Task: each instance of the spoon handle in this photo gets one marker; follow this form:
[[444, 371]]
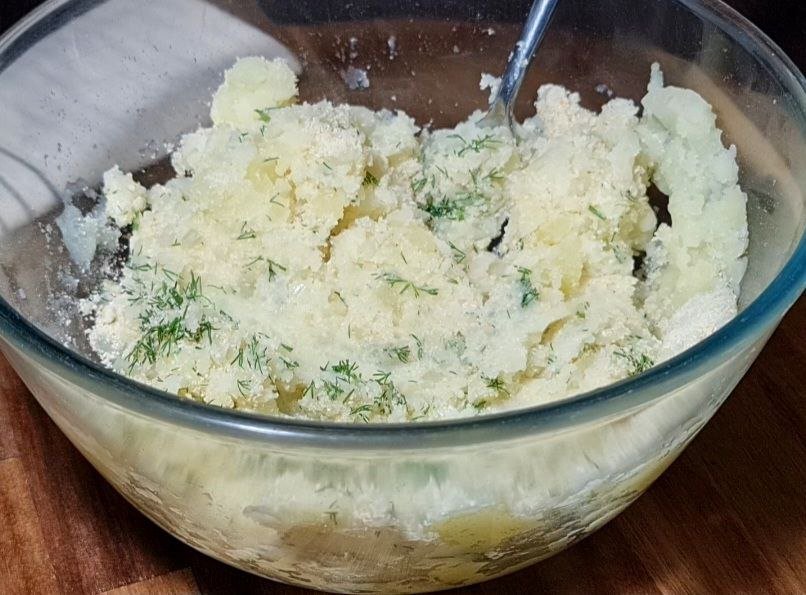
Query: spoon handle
[[535, 28]]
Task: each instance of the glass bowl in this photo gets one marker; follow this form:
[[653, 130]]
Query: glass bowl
[[86, 84]]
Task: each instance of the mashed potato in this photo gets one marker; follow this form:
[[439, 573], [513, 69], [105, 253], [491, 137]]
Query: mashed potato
[[330, 262]]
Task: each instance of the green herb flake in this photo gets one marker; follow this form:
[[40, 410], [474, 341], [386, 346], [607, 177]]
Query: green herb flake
[[348, 370], [395, 281], [246, 233], [265, 114], [419, 346], [332, 390], [362, 412], [458, 255], [290, 364], [272, 266], [163, 319], [637, 362], [402, 353], [597, 212], [528, 292], [417, 185], [477, 145], [496, 384], [244, 388], [257, 357], [310, 390]]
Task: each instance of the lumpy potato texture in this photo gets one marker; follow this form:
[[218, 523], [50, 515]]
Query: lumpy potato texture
[[334, 263]]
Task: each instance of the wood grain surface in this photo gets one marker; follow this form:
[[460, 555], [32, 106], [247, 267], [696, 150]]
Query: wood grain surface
[[728, 516]]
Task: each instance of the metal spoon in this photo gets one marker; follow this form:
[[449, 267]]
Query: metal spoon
[[500, 112]]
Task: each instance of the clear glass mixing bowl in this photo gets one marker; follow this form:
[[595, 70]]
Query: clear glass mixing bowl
[[86, 84]]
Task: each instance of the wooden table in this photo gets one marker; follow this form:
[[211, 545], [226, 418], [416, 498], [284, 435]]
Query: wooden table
[[729, 516]]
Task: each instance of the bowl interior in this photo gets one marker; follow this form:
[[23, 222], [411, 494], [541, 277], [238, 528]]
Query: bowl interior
[[86, 85]]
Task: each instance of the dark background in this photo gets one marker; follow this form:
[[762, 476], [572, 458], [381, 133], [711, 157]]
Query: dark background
[[783, 20]]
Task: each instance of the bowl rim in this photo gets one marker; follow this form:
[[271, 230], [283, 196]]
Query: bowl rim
[[756, 321]]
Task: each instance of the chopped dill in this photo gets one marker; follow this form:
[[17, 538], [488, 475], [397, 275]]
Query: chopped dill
[[163, 319], [310, 390], [423, 413], [348, 370], [257, 357], [238, 359], [597, 212], [638, 363], [265, 114], [496, 384], [290, 364], [453, 208], [458, 255], [389, 397], [140, 268], [396, 281], [225, 290], [551, 359], [246, 233], [419, 346], [381, 377], [332, 390], [445, 209], [402, 353], [528, 292], [441, 170], [205, 329], [476, 145], [362, 411], [418, 185], [273, 266]]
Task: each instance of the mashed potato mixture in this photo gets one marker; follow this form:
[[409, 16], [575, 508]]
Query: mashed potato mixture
[[330, 262]]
